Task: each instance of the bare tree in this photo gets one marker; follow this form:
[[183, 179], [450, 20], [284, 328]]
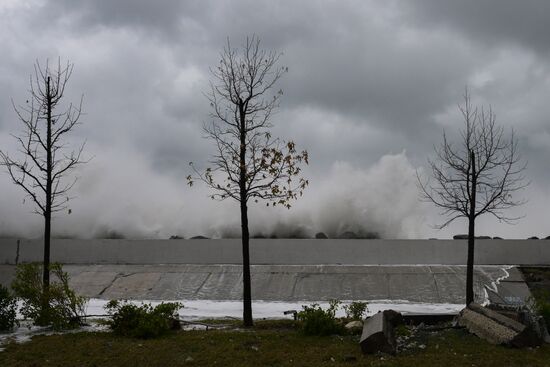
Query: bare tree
[[478, 176], [249, 163], [45, 159]]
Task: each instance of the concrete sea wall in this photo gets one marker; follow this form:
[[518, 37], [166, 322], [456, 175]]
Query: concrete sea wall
[[278, 251]]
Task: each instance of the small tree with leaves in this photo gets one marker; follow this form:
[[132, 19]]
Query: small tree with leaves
[[477, 176], [249, 164], [44, 160]]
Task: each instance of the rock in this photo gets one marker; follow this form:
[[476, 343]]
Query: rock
[[199, 238], [547, 238], [533, 238], [189, 359], [496, 328], [354, 325], [497, 238], [321, 236], [176, 237], [378, 333]]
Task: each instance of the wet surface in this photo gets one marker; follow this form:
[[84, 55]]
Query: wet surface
[[422, 283]]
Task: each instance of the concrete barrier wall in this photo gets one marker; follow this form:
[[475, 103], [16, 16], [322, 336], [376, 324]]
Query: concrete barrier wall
[[279, 251]]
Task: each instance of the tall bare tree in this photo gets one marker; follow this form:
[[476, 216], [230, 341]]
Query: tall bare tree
[[477, 176], [249, 164], [44, 160]]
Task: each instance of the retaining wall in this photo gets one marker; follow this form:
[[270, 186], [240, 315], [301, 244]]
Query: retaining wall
[[279, 251]]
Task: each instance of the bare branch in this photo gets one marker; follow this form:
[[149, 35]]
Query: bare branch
[[45, 160], [499, 169], [248, 163]]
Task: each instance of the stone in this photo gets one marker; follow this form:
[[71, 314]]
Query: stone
[[378, 333], [354, 325], [321, 236], [199, 238], [533, 238]]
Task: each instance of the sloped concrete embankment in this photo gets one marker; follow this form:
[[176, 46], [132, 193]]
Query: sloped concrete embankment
[[287, 270], [423, 284]]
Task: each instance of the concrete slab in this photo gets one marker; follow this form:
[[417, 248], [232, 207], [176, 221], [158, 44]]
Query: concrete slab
[[92, 283], [222, 285], [376, 286], [273, 286], [510, 293], [174, 285], [450, 287], [428, 284], [414, 287], [131, 286]]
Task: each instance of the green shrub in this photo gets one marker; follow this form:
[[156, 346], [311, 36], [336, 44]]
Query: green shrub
[[316, 321], [356, 310], [59, 306], [142, 321], [540, 301], [8, 309]]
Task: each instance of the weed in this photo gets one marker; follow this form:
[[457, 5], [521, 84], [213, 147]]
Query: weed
[[58, 306], [143, 321], [356, 310], [316, 321], [8, 308]]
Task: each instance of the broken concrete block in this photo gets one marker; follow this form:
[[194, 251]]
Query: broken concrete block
[[496, 328], [378, 333]]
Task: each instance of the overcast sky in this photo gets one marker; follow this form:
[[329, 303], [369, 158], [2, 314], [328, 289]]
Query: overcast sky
[[371, 87]]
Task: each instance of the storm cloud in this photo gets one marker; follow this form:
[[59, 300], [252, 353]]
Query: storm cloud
[[370, 89]]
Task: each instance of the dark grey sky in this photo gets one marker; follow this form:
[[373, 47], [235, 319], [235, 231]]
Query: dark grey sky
[[371, 87]]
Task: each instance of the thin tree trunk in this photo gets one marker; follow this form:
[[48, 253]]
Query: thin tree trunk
[[245, 237], [247, 291], [471, 235], [48, 212]]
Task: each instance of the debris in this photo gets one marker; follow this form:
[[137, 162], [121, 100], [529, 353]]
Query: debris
[[496, 328], [378, 333]]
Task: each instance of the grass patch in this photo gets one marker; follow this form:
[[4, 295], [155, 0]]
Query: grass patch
[[268, 344]]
